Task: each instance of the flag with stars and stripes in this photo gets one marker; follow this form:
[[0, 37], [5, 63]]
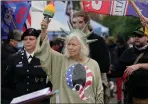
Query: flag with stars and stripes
[[75, 85], [28, 20], [69, 76]]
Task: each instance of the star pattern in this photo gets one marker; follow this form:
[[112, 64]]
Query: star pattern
[[69, 76], [69, 81]]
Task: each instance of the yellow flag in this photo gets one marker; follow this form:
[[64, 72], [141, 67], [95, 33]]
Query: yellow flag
[[146, 31]]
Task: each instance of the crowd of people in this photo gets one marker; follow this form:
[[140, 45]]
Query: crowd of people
[[81, 65]]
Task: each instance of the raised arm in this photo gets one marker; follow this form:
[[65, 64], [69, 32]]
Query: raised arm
[[44, 31], [50, 60], [43, 50]]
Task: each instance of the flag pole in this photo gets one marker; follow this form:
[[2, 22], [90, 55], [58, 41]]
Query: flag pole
[[136, 8], [138, 12]]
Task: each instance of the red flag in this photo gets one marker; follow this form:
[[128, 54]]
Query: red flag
[[97, 6], [115, 7], [28, 22]]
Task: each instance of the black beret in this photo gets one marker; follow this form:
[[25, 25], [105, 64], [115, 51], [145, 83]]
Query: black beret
[[30, 32]]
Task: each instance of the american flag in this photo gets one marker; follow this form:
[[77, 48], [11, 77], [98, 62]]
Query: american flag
[[89, 77], [28, 20], [88, 82], [69, 76]]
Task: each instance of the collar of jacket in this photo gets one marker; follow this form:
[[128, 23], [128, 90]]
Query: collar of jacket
[[139, 50]]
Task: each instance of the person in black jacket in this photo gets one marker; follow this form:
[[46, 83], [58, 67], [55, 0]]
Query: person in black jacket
[[112, 46], [9, 48], [127, 59], [24, 74], [121, 47], [98, 50]]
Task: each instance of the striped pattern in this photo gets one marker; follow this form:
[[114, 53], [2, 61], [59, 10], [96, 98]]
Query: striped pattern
[[88, 83], [88, 77], [28, 20]]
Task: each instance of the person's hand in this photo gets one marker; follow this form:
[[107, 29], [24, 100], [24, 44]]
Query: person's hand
[[44, 30], [45, 24], [144, 21], [110, 68], [130, 69], [109, 72]]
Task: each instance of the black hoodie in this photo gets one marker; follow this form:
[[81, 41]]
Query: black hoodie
[[99, 52]]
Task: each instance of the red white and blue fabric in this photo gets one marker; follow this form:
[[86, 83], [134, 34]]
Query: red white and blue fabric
[[88, 83], [116, 7], [14, 15], [28, 20], [69, 76]]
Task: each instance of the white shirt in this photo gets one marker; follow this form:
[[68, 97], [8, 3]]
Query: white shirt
[[28, 56]]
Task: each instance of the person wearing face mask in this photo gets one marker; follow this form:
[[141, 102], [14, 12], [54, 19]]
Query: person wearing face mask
[[10, 48], [24, 74]]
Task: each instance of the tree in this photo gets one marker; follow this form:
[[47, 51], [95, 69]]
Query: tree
[[121, 25]]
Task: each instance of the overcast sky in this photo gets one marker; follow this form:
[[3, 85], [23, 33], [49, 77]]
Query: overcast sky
[[60, 12]]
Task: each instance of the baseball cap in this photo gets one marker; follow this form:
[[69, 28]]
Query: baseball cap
[[141, 31], [15, 35]]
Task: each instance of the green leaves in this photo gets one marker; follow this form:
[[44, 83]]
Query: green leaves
[[121, 25]]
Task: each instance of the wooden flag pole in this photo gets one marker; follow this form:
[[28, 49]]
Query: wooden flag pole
[[136, 8], [138, 12]]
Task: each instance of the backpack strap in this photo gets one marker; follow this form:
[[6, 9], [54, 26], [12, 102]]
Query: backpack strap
[[138, 58]]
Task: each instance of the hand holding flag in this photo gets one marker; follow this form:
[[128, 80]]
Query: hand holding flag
[[144, 21]]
